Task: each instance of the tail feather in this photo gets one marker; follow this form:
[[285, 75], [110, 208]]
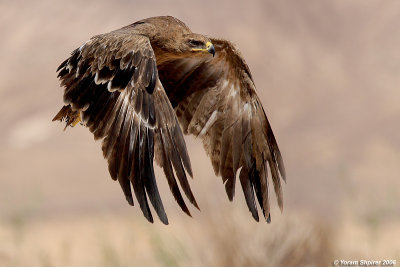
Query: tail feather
[[71, 117]]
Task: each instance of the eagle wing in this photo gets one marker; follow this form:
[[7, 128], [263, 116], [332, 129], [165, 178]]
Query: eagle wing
[[220, 106], [112, 80]]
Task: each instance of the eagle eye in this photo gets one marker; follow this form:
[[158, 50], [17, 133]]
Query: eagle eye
[[195, 43]]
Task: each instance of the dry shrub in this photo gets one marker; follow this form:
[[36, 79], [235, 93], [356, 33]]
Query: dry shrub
[[287, 241]]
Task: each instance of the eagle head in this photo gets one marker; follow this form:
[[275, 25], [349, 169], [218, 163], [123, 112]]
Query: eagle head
[[196, 43]]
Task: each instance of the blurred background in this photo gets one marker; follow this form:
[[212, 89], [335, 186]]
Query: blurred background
[[327, 73]]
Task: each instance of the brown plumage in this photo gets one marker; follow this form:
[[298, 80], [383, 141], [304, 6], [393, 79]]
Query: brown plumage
[[130, 87]]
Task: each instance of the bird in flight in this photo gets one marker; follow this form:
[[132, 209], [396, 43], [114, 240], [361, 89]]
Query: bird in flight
[[141, 87]]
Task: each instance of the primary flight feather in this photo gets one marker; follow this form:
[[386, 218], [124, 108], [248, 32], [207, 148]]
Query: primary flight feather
[[139, 87]]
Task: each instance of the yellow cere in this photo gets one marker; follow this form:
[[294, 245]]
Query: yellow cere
[[208, 45]]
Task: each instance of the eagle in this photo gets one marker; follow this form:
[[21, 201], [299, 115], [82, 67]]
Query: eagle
[[141, 87]]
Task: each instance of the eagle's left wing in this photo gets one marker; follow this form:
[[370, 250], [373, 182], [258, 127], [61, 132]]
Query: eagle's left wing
[[215, 99], [112, 82]]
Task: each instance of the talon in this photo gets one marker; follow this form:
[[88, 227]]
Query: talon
[[76, 120]]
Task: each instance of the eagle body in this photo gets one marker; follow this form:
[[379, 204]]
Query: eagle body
[[141, 87]]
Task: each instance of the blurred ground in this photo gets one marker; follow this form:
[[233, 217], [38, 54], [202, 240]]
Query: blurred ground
[[327, 73]]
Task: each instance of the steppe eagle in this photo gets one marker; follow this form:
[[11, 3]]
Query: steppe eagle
[[139, 87]]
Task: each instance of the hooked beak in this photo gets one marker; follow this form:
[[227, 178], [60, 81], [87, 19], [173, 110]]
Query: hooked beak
[[210, 48]]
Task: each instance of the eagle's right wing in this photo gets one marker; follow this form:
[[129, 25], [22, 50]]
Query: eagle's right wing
[[218, 103], [112, 80]]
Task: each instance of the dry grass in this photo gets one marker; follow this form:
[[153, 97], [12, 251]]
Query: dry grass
[[230, 240]]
